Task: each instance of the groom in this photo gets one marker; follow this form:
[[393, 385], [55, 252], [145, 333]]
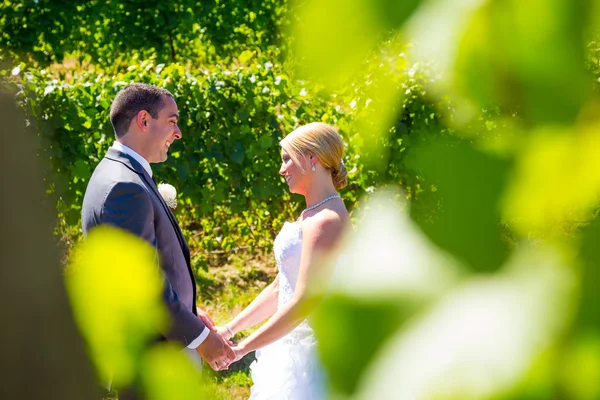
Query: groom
[[122, 193]]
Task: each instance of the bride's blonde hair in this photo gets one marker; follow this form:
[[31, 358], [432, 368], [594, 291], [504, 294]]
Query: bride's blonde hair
[[324, 142]]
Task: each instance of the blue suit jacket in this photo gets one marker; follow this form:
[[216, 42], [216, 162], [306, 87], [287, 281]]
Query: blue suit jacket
[[121, 193]]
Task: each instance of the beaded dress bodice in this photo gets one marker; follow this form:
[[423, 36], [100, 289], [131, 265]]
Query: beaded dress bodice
[[288, 251]]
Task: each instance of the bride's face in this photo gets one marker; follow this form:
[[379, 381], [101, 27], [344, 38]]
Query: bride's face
[[293, 173]]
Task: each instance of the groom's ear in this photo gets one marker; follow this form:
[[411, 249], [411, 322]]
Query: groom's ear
[[141, 119]]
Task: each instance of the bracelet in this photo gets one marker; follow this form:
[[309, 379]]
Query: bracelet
[[229, 330]]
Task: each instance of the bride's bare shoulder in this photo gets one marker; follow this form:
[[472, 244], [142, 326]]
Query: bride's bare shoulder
[[327, 225]]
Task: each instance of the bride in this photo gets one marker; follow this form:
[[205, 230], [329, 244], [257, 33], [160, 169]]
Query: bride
[[287, 364]]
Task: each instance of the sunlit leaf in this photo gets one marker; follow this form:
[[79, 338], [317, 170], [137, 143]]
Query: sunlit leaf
[[480, 339], [557, 180], [245, 56], [333, 37], [115, 288], [388, 270], [167, 373]]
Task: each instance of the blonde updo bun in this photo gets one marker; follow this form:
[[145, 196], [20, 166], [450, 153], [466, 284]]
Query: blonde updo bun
[[340, 177]]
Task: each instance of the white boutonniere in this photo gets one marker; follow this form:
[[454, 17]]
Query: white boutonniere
[[169, 193]]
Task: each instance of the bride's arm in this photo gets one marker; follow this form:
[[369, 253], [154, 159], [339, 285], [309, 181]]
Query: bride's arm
[[318, 239], [263, 306]]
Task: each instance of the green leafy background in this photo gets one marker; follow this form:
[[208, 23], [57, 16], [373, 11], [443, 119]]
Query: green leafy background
[[478, 277]]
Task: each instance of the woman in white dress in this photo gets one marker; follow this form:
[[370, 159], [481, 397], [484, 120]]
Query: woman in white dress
[[287, 364]]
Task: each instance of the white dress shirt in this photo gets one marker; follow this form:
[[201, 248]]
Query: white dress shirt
[[129, 151]]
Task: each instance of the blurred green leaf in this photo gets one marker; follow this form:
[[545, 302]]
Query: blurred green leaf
[[556, 181], [167, 373], [334, 37], [111, 277], [350, 332], [526, 56], [481, 338], [580, 367], [589, 301], [468, 185]]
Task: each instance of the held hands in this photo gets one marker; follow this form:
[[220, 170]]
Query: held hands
[[239, 352], [223, 332], [206, 320], [216, 352], [238, 349]]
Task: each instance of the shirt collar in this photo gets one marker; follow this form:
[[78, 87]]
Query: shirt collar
[[129, 151]]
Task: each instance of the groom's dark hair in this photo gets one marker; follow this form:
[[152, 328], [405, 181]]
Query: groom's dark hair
[[131, 100]]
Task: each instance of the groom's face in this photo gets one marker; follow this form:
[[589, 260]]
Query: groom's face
[[163, 131]]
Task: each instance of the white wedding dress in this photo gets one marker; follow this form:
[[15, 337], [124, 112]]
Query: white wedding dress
[[288, 369]]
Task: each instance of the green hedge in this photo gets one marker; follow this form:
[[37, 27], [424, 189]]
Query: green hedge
[[226, 166], [109, 32]]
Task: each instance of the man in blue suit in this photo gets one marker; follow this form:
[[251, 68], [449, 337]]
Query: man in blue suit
[[122, 193]]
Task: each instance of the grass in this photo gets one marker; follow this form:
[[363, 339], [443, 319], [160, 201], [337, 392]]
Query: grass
[[229, 285]]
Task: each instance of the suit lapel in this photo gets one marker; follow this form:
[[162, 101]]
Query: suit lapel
[[132, 164], [167, 209], [135, 166]]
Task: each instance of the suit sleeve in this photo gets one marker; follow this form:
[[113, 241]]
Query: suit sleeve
[[128, 206]]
